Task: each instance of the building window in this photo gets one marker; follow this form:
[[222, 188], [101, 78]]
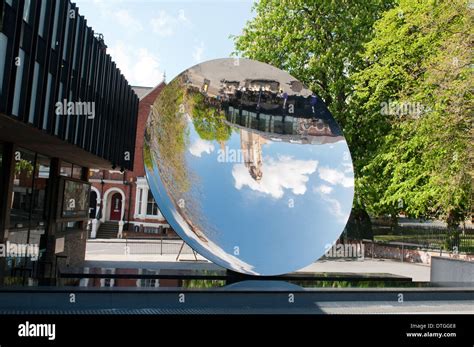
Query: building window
[[151, 206], [149, 282], [77, 172], [108, 282], [41, 21], [34, 91], [55, 26], [30, 183], [40, 185], [84, 54], [57, 114], [68, 119], [140, 200], [18, 78], [22, 189], [66, 169], [3, 52], [26, 11], [66, 34], [76, 42], [46, 106]]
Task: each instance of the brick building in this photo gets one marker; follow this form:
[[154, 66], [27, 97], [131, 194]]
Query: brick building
[[121, 202]]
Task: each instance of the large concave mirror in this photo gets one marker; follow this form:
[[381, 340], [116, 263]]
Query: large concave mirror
[[248, 166]]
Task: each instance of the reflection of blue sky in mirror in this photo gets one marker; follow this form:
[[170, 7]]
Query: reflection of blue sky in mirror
[[284, 220]]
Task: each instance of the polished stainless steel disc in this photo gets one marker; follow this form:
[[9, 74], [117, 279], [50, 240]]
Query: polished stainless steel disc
[[248, 166]]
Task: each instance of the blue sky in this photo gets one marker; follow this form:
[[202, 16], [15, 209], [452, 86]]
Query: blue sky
[[147, 38]]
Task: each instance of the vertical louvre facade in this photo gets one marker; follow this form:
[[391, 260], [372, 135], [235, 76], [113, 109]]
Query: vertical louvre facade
[[48, 54]]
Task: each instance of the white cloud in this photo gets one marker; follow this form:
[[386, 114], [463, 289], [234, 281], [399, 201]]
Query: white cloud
[[201, 146], [323, 189], [125, 19], [181, 16], [139, 66], [165, 24], [334, 176], [284, 173], [198, 52], [333, 205]]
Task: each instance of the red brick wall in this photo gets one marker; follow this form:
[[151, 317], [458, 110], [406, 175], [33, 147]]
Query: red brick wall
[[143, 112], [138, 167]]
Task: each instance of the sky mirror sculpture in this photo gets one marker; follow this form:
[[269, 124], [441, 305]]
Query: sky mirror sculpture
[[248, 166]]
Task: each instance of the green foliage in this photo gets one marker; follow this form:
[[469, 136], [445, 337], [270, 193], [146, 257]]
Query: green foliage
[[166, 138], [418, 161], [207, 119], [23, 166]]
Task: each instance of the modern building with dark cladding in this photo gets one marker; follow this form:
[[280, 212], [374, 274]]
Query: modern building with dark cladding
[[65, 108], [48, 54]]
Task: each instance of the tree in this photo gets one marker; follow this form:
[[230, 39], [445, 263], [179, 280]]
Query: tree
[[413, 99]]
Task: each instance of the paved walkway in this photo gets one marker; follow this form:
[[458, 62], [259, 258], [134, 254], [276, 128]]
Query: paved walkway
[[103, 253]]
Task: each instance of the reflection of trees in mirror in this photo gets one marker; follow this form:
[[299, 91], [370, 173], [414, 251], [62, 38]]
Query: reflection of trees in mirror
[[208, 119], [358, 284], [166, 140], [166, 137]]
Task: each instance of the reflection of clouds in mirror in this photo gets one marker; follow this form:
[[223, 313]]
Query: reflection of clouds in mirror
[[201, 146], [333, 204], [336, 177], [280, 174], [323, 189]]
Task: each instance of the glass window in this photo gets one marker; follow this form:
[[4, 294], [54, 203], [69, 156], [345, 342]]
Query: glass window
[[66, 169], [77, 172], [18, 78], [55, 26], [34, 90], [26, 11], [3, 52], [151, 207], [42, 18], [77, 122], [93, 63], [59, 114], [40, 184], [1, 166], [22, 189], [140, 200], [46, 106], [84, 52], [76, 42], [68, 118], [66, 33]]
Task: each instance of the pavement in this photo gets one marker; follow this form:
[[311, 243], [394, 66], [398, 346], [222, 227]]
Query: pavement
[[151, 255]]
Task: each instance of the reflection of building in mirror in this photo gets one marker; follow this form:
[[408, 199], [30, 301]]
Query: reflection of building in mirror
[[251, 145]]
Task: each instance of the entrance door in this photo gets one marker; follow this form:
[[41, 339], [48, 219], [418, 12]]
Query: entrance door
[[93, 205], [116, 206]]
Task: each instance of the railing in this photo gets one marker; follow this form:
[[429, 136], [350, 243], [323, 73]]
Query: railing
[[160, 246], [428, 236]]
